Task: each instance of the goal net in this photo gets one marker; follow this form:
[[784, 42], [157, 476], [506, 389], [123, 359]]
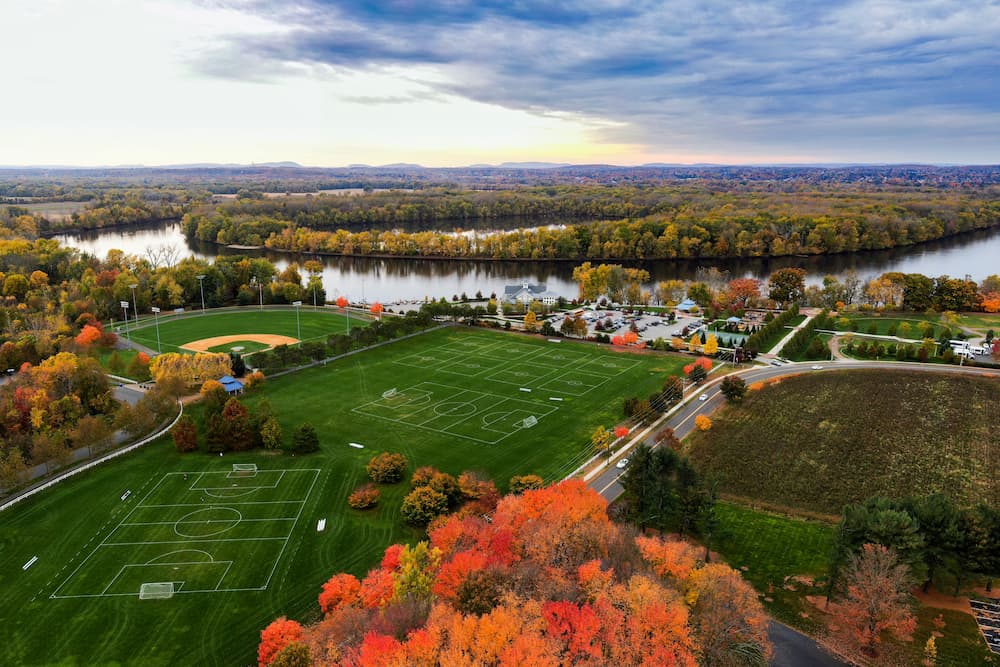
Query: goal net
[[529, 421], [389, 393], [245, 469], [160, 590]]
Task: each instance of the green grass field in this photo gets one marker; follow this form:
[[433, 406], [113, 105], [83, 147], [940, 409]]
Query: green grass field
[[77, 605], [820, 440], [315, 325]]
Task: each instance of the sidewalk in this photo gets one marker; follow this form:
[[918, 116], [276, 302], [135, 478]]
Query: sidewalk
[[776, 350]]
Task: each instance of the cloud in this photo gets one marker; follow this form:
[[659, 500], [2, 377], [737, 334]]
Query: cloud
[[805, 77]]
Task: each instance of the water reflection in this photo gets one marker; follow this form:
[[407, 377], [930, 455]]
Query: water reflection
[[974, 254]]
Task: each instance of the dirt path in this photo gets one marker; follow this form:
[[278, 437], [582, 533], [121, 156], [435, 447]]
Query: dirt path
[[271, 340]]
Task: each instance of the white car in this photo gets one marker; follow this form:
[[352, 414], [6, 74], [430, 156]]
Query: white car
[[817, 368], [621, 464], [703, 397]]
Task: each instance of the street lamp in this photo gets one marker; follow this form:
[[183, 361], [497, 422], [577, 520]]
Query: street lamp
[[124, 305], [260, 288], [135, 310], [298, 326], [201, 278], [156, 319]]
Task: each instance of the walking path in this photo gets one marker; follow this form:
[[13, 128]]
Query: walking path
[[776, 350]]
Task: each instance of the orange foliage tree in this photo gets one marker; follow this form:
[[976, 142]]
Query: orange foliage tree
[[377, 309], [877, 600], [548, 580], [703, 422], [621, 431], [276, 636]]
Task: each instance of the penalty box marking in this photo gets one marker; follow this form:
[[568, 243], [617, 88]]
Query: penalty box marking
[[539, 411], [194, 485], [104, 542]]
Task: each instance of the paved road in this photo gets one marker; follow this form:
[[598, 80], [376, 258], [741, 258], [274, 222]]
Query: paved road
[[791, 648]]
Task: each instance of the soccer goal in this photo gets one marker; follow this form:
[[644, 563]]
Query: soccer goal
[[158, 590], [245, 469], [389, 393], [529, 421]]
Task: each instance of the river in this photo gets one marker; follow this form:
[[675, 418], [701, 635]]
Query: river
[[976, 254]]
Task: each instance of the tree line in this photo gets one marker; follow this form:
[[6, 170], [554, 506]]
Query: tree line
[[638, 223]]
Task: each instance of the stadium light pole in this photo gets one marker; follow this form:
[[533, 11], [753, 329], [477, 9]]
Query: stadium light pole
[[124, 305], [156, 320], [135, 309], [298, 325], [201, 283], [260, 288]]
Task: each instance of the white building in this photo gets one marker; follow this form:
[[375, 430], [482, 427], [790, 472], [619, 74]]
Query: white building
[[525, 293]]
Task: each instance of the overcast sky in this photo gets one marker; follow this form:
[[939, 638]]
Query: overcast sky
[[454, 82]]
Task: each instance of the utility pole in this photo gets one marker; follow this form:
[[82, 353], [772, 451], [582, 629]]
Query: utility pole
[[124, 305]]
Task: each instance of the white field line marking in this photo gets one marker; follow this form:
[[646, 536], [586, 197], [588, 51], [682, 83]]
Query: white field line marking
[[207, 521], [291, 531], [142, 504], [125, 518]]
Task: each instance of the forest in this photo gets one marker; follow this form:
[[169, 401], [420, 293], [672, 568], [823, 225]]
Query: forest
[[692, 220]]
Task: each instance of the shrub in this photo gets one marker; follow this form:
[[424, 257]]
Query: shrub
[[423, 505], [387, 468], [364, 497], [422, 476], [305, 440], [703, 422]]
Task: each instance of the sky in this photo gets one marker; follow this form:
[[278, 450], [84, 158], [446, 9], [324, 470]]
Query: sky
[[458, 82]]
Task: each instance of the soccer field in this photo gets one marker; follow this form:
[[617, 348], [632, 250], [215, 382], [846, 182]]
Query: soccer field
[[177, 332], [462, 398], [204, 532], [238, 551]]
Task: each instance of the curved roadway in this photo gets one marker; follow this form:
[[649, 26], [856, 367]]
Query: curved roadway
[[792, 648]]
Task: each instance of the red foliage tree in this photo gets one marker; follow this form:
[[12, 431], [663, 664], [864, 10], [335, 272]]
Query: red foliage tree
[[88, 336], [340, 591], [621, 431], [276, 636], [341, 302], [504, 592]]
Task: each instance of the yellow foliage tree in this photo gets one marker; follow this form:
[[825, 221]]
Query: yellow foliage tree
[[703, 422], [530, 321], [694, 343], [190, 368], [677, 343], [711, 345]]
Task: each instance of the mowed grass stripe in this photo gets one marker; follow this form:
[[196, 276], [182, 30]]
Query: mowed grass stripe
[[315, 325]]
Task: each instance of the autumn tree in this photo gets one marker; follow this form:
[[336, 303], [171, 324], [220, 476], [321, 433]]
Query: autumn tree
[[185, 434], [550, 580], [703, 422], [711, 346], [734, 388], [787, 285], [522, 483], [530, 321], [729, 621], [601, 440], [423, 505], [276, 636], [877, 599], [387, 467], [237, 425]]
